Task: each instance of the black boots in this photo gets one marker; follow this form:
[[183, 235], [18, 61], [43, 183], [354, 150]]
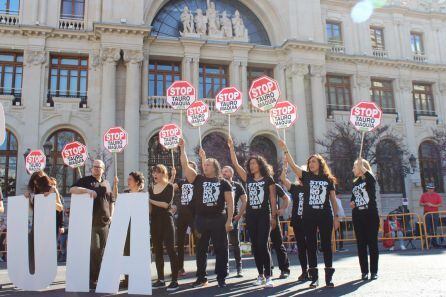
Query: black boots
[[314, 277], [303, 277], [328, 277]]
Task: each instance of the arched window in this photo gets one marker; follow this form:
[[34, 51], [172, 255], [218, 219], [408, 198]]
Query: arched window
[[8, 164], [159, 155], [389, 167], [430, 165], [342, 157], [65, 176], [168, 23], [216, 146], [263, 146]]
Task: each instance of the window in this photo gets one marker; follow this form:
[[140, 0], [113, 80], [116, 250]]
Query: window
[[11, 71], [8, 165], [159, 155], [213, 78], [214, 146], [381, 93], [423, 99], [389, 165], [333, 31], [342, 157], [377, 37], [338, 93], [256, 72], [162, 75], [416, 42], [10, 7], [72, 9], [65, 176], [68, 78], [430, 165]]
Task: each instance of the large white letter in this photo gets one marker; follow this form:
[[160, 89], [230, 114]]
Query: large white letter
[[45, 252], [79, 241], [132, 207]]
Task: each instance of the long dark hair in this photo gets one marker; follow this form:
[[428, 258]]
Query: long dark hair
[[324, 170], [265, 168], [33, 180], [44, 184]]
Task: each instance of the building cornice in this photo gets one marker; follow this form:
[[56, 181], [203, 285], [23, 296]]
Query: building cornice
[[101, 28], [292, 44]]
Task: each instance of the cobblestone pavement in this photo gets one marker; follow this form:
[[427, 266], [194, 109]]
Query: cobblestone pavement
[[401, 273]]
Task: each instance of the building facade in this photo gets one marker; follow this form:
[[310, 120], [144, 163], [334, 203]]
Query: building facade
[[71, 69]]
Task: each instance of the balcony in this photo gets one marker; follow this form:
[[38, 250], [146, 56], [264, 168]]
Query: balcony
[[15, 95], [70, 97], [337, 46], [72, 22], [9, 17], [380, 53], [331, 108], [419, 57], [423, 114]]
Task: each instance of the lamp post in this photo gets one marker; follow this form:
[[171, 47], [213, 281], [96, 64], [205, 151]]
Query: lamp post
[[413, 164], [47, 149]]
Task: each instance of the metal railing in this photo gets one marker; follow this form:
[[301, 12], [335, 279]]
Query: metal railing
[[67, 94], [380, 53], [337, 46], [419, 57], [72, 24], [434, 226], [9, 19], [17, 93]]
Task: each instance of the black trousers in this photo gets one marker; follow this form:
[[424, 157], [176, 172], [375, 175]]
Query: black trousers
[[301, 244], [163, 233], [99, 236], [279, 248], [185, 220], [212, 228], [258, 224], [323, 222], [234, 239], [366, 224]]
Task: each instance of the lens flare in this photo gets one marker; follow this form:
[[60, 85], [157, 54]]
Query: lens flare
[[362, 11], [379, 3]]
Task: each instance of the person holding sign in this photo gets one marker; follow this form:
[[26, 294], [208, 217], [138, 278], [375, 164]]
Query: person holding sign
[[211, 192], [365, 217], [162, 226], [319, 184], [261, 210], [297, 193], [98, 189]]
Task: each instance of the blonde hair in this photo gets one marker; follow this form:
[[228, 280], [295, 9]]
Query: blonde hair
[[160, 168], [366, 165]]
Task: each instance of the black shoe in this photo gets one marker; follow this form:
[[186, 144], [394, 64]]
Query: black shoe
[[328, 277], [222, 283], [373, 276], [364, 276], [303, 277], [284, 274], [200, 283], [159, 284], [173, 286], [93, 285], [314, 277], [239, 273]]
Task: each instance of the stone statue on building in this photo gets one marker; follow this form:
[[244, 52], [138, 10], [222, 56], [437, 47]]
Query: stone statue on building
[[201, 22], [226, 25], [188, 21], [213, 20], [240, 31]]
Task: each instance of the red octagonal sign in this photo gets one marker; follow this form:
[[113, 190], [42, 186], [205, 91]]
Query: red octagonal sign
[[169, 136], [115, 139], [74, 154], [228, 100], [35, 161], [181, 94], [283, 115], [264, 93], [365, 116]]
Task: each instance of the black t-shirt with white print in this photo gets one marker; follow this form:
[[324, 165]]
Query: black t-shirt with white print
[[297, 194], [317, 194], [186, 195], [364, 192], [238, 191], [258, 194], [209, 195]]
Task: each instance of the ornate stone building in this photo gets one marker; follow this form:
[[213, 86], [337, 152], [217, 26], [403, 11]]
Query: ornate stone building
[[70, 69]]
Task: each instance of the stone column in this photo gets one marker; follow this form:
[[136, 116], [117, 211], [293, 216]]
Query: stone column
[[301, 140], [441, 102], [319, 103], [186, 65], [363, 83], [279, 75], [195, 73], [108, 103], [235, 74], [407, 110], [43, 11], [133, 59], [145, 80], [244, 87]]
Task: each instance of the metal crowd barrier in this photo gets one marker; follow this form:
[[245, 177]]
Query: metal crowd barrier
[[437, 222]]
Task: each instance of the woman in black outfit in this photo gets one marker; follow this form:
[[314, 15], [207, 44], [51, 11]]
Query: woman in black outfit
[[261, 210], [297, 193], [162, 226], [319, 187], [365, 217]]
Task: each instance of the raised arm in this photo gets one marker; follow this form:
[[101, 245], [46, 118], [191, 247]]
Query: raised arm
[[172, 179], [285, 181], [296, 169], [239, 169], [202, 155], [189, 172]]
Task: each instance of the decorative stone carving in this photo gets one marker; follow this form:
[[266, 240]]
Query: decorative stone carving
[[187, 19], [201, 22], [296, 69], [318, 70], [95, 59], [226, 25], [110, 55], [213, 21], [133, 56], [405, 85], [363, 81], [442, 88], [35, 57], [240, 30]]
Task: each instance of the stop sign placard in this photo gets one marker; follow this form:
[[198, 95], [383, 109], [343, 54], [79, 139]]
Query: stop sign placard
[[264, 93], [74, 154], [228, 100], [115, 139], [169, 136], [197, 113], [35, 161], [365, 116], [181, 94], [283, 115]]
